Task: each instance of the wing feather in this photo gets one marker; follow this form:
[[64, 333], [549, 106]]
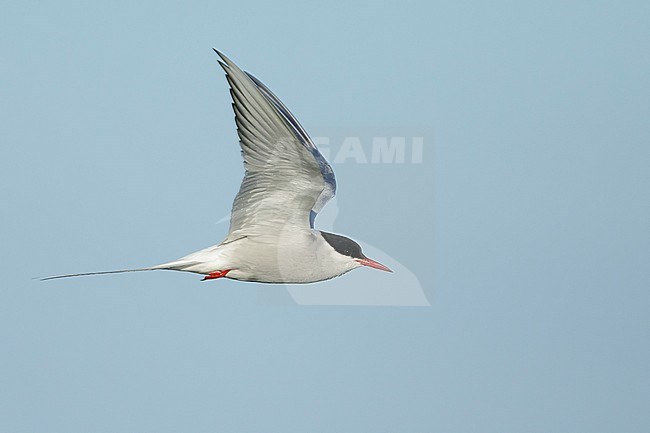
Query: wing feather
[[287, 180]]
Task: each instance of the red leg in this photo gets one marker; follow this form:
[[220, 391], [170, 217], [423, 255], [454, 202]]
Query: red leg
[[216, 274]]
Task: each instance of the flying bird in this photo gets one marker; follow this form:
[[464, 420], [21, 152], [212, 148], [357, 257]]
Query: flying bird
[[287, 181]]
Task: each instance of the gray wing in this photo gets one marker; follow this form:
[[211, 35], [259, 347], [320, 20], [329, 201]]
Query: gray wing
[[287, 180]]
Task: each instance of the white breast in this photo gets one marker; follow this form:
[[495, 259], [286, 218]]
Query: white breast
[[299, 256]]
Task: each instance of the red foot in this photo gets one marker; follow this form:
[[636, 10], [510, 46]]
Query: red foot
[[216, 274]]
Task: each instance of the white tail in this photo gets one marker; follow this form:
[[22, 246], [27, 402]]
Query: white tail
[[178, 265], [56, 277]]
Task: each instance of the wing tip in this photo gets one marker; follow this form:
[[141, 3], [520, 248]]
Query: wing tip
[[223, 58], [224, 61]]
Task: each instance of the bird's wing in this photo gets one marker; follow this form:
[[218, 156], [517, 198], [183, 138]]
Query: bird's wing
[[287, 180]]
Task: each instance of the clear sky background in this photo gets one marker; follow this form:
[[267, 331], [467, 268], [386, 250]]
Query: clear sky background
[[527, 223]]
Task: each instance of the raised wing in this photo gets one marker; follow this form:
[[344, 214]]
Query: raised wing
[[287, 180]]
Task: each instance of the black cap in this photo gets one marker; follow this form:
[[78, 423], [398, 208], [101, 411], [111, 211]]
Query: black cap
[[343, 245]]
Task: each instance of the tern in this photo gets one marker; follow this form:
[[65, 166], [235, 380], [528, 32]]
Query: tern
[[287, 182]]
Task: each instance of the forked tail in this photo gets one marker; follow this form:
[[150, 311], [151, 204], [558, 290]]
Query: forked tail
[[56, 277], [177, 265]]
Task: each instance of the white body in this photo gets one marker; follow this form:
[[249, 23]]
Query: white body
[[298, 256]]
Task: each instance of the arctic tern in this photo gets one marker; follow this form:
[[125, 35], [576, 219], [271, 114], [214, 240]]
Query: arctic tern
[[287, 181]]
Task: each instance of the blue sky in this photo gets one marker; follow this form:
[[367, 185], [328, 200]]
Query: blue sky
[[525, 224]]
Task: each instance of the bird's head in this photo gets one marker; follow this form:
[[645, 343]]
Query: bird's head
[[350, 252]]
